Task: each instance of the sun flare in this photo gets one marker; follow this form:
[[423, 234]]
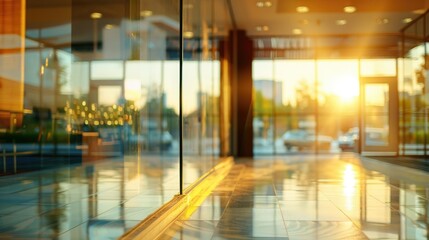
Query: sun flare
[[345, 87]]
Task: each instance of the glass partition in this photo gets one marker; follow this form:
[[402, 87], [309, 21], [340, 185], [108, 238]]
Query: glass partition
[[376, 104], [338, 104], [201, 89], [310, 105], [325, 108], [89, 109], [379, 104], [413, 90], [284, 100], [298, 98], [264, 100], [125, 108]]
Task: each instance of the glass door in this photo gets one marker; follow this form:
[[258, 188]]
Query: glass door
[[379, 102]]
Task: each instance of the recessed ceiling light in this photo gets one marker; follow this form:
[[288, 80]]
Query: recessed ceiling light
[[96, 15], [349, 9], [188, 34], [419, 11], [382, 21], [407, 20], [262, 4], [297, 31], [109, 26], [341, 22], [302, 9], [262, 28], [146, 13]]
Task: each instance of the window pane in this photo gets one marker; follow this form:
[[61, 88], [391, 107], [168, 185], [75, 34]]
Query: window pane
[[107, 70], [378, 67]]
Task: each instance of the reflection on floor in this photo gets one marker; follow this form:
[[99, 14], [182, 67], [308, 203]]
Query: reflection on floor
[[99, 200], [312, 197]]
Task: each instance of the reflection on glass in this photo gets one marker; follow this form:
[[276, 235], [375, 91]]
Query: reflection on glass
[[201, 88], [95, 97], [376, 114], [109, 95], [93, 91], [413, 97]]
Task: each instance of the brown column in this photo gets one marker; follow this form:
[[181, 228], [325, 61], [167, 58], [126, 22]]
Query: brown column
[[238, 52], [12, 28]]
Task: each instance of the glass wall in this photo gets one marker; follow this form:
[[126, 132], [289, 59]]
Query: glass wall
[[338, 104], [310, 102], [379, 90], [310, 96], [413, 91], [283, 105], [201, 89], [89, 91]]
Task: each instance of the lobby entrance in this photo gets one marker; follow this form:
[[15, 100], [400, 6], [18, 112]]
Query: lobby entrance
[[379, 121], [326, 106]]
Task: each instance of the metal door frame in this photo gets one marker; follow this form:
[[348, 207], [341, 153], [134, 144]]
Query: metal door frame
[[392, 147]]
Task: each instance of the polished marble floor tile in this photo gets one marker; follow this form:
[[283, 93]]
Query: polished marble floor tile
[[250, 203], [191, 229], [261, 229], [329, 230], [143, 200], [98, 229], [206, 213], [312, 211], [215, 200], [300, 195], [127, 213], [290, 197], [251, 215], [96, 200], [315, 197]]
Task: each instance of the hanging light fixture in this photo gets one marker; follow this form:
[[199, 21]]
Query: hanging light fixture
[[188, 7]]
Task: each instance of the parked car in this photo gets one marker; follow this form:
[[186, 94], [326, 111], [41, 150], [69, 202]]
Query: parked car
[[348, 140], [302, 139], [373, 137]]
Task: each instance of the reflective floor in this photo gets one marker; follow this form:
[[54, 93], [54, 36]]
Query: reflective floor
[[95, 200], [312, 197]]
